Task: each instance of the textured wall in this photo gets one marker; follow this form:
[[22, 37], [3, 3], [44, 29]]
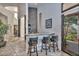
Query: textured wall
[[51, 10]]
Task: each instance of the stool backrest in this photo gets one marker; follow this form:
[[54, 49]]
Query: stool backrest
[[45, 39], [33, 41], [54, 38], [52, 34]]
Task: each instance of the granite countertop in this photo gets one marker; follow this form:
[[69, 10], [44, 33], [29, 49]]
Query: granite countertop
[[34, 34]]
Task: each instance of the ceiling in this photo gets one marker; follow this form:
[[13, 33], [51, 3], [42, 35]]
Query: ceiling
[[68, 5]]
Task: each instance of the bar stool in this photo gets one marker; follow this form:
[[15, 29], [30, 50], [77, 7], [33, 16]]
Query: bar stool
[[44, 44], [54, 41], [33, 45]]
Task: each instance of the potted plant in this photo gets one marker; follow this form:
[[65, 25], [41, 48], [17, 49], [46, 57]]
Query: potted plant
[[3, 31]]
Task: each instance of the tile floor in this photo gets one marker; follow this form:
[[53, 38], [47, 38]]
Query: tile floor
[[17, 48]]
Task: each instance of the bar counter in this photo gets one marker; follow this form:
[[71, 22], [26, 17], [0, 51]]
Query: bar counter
[[40, 37]]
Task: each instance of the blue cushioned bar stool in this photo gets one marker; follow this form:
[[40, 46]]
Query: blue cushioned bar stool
[[54, 41], [44, 44], [33, 45]]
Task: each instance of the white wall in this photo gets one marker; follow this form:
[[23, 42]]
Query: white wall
[[51, 10], [23, 10], [3, 18], [22, 27]]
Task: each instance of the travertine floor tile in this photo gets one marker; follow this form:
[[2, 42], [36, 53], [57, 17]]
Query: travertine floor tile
[[17, 48]]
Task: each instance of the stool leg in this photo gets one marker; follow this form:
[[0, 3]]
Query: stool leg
[[49, 47], [46, 48], [30, 51], [41, 47], [57, 45], [36, 51], [53, 47]]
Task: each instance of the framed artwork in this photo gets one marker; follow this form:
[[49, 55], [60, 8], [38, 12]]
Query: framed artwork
[[48, 23]]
